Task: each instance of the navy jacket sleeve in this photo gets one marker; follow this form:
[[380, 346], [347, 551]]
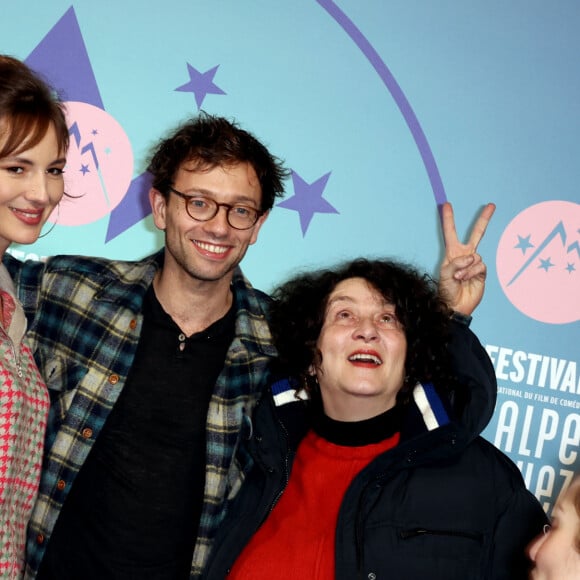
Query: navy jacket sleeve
[[476, 403]]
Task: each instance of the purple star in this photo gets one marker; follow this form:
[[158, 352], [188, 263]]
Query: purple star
[[84, 169], [524, 244], [546, 264], [307, 199], [201, 84]]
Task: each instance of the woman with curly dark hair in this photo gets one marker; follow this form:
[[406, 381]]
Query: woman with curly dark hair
[[366, 459], [301, 307]]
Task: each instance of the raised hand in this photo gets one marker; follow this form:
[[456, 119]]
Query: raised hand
[[462, 273]]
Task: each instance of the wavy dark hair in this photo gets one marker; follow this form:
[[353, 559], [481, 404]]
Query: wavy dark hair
[[28, 107], [211, 142], [299, 309]]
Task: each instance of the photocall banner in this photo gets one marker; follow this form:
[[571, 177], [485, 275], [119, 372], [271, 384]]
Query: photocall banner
[[383, 110]]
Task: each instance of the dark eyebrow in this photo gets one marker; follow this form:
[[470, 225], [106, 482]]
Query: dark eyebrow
[[343, 298], [349, 299], [243, 200], [26, 161], [16, 159]]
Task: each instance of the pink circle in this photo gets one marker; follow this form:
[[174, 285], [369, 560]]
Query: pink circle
[[538, 262], [99, 166]]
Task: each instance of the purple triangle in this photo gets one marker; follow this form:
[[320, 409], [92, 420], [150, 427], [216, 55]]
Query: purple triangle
[[133, 207], [62, 58]]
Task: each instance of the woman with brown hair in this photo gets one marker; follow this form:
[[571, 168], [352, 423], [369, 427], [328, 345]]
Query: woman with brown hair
[[33, 144]]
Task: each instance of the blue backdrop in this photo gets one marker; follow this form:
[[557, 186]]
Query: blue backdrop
[[382, 109]]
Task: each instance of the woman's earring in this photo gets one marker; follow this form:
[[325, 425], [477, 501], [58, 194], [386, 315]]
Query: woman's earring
[[53, 223]]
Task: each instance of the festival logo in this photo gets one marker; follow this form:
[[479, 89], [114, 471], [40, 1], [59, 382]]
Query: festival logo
[[99, 165], [538, 262]]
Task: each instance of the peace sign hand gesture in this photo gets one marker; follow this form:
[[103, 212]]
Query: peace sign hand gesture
[[462, 272]]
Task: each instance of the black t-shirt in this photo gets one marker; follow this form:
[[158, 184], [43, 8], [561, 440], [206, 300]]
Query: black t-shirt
[[134, 508]]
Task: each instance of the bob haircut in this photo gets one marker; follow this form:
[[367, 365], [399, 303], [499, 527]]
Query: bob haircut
[[28, 107], [299, 309], [210, 141]]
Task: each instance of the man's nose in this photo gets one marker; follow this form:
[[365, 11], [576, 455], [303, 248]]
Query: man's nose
[[219, 222]]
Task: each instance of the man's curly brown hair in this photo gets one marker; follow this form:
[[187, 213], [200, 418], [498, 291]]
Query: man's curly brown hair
[[210, 141]]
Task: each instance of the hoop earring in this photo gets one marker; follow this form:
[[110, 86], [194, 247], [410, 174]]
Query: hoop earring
[[310, 383], [53, 224]]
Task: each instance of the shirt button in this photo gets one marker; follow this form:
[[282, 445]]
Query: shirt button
[[133, 324], [114, 379], [40, 539], [60, 484], [87, 433]]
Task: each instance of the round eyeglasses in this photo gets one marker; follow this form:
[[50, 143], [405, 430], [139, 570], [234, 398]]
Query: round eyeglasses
[[202, 209]]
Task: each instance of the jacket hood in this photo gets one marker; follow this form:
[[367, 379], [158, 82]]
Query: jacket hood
[[463, 414], [426, 412]]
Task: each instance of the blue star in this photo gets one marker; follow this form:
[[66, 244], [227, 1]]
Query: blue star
[[307, 199], [200, 84], [84, 169], [524, 244], [571, 268], [94, 132], [546, 264]]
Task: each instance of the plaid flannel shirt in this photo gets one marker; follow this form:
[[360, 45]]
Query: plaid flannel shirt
[[85, 322]]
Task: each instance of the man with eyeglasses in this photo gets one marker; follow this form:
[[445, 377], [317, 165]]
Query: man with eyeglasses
[[154, 366]]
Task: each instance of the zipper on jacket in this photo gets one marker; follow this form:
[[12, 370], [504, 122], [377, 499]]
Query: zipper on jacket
[[416, 532], [277, 496], [286, 472], [359, 526]]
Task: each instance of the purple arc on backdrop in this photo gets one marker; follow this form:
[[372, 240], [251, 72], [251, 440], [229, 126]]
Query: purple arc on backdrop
[[396, 92]]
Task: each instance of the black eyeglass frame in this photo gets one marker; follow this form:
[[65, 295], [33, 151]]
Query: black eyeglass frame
[[259, 213]]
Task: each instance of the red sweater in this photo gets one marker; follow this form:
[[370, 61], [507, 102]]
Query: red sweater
[[297, 539]]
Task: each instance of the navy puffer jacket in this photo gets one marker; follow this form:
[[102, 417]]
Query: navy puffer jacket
[[444, 504]]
